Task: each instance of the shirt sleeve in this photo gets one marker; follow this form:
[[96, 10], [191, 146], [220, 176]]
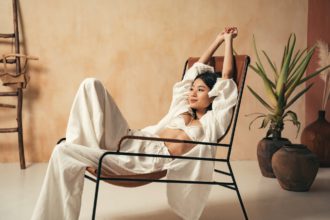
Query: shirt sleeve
[[225, 93], [181, 89], [197, 69]]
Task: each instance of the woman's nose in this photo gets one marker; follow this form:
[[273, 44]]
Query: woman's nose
[[193, 93]]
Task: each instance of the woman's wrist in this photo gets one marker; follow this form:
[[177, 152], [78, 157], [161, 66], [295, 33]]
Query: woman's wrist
[[219, 39], [228, 38]]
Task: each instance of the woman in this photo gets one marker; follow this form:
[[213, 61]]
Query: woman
[[201, 110]]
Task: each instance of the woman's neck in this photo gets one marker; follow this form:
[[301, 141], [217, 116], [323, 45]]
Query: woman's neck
[[200, 113]]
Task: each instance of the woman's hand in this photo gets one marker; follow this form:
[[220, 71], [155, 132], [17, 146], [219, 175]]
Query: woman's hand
[[226, 35], [220, 37], [230, 33]]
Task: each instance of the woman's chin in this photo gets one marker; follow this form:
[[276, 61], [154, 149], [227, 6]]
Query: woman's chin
[[193, 106]]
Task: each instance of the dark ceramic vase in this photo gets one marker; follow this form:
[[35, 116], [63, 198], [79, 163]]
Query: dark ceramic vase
[[295, 167], [316, 137], [266, 148]]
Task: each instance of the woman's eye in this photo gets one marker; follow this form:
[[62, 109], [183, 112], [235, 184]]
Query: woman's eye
[[191, 89], [200, 90]]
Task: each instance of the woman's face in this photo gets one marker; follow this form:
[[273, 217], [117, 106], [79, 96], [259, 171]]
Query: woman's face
[[198, 96]]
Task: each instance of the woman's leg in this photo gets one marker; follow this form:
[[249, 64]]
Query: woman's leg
[[95, 120], [60, 196]]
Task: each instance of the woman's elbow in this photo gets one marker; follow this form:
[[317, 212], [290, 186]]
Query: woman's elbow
[[227, 74]]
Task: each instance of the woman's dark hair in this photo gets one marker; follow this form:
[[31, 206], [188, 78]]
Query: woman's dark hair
[[209, 78]]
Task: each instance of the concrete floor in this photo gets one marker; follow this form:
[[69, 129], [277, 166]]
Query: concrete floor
[[263, 197]]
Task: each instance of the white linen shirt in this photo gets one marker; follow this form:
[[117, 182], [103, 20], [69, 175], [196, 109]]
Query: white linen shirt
[[188, 200]]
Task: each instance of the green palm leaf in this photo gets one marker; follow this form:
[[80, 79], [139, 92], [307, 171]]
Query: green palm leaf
[[254, 68], [268, 84], [265, 122], [298, 75], [284, 55], [294, 62], [263, 75], [294, 120], [264, 103], [260, 116], [271, 65], [256, 51], [284, 71], [313, 75], [298, 96], [294, 71]]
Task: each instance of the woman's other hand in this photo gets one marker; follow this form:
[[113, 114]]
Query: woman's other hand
[[221, 36], [230, 33]]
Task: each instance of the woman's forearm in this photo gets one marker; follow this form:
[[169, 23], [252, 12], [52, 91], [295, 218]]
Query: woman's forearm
[[228, 62], [210, 50]]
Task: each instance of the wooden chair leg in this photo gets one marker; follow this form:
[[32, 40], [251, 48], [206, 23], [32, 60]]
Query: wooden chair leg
[[21, 149]]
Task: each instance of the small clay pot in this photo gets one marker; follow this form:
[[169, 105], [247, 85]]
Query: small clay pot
[[265, 150], [295, 167]]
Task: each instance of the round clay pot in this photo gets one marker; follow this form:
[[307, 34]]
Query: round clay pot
[[316, 137], [265, 150], [295, 167]]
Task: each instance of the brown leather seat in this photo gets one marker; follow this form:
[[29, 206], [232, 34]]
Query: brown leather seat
[[154, 175]]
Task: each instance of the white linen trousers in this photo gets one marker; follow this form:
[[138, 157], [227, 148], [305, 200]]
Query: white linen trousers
[[95, 125]]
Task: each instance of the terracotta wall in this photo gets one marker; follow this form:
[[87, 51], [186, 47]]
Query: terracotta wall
[[318, 29], [137, 49]]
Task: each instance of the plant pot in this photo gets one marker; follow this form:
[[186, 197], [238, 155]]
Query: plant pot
[[295, 167], [265, 150], [316, 137]]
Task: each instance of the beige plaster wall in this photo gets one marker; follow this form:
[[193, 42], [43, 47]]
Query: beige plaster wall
[[137, 49]]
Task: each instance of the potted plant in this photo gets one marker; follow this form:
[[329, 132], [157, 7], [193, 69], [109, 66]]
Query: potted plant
[[279, 86]]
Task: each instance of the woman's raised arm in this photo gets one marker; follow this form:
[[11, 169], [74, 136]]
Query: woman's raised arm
[[228, 62], [227, 35], [212, 48]]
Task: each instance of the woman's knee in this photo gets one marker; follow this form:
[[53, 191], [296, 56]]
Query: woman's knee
[[91, 83], [59, 151], [64, 151]]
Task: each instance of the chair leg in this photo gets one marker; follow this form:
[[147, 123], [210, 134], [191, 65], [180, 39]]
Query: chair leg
[[20, 129], [237, 191], [21, 149], [95, 198]]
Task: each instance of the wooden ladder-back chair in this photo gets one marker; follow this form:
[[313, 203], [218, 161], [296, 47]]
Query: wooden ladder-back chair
[[241, 65], [16, 61]]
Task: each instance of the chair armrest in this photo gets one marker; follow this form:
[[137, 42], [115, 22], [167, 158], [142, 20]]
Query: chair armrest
[[114, 153], [167, 140], [117, 153]]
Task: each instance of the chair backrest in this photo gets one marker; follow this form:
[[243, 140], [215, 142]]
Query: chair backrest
[[241, 63]]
